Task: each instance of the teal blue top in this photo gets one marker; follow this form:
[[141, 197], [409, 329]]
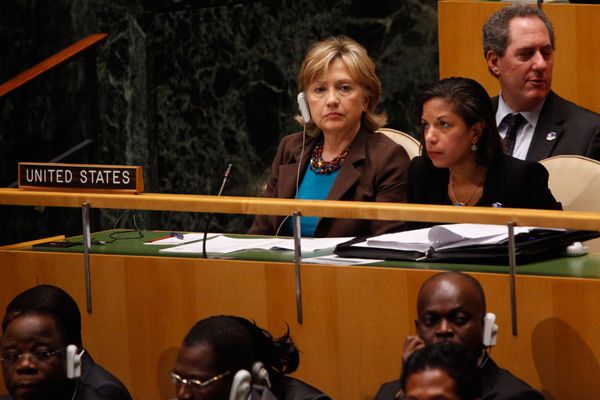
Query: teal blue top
[[312, 187]]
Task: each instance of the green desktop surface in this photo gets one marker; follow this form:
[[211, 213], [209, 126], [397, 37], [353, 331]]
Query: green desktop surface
[[132, 243]]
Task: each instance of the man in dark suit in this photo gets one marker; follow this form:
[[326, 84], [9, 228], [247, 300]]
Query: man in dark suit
[[451, 308], [37, 327], [534, 122]]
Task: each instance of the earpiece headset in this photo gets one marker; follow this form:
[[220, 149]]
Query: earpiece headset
[[260, 375], [490, 330], [303, 106], [73, 361], [241, 385], [243, 381], [306, 117]]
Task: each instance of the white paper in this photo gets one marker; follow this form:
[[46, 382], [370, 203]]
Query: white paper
[[187, 238], [222, 245], [415, 240], [335, 260], [443, 237], [311, 244]]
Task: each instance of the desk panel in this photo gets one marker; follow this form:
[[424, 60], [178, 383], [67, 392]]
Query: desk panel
[[355, 318]]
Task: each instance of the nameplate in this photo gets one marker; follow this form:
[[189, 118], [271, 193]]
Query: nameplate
[[112, 178]]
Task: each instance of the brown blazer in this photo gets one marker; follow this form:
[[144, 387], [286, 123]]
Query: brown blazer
[[375, 169]]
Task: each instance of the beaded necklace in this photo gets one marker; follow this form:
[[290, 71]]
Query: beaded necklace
[[322, 167]]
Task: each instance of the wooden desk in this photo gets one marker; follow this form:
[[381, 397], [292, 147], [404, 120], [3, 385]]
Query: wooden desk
[[355, 318]]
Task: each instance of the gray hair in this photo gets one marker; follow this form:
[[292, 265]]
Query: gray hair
[[495, 30]]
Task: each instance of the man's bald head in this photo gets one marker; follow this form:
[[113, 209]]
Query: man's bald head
[[451, 307], [457, 279]]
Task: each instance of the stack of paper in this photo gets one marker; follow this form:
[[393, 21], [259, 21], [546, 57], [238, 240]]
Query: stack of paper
[[442, 237]]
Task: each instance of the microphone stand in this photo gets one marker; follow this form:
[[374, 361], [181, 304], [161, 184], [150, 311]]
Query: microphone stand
[[226, 176]]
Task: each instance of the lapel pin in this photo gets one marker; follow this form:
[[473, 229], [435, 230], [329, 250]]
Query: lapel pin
[[551, 136]]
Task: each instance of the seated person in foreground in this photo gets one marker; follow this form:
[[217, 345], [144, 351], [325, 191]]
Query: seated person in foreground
[[441, 371], [37, 327], [451, 308], [339, 156], [217, 347], [462, 161]]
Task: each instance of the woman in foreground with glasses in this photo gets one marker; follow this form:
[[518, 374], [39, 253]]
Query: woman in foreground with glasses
[[216, 348]]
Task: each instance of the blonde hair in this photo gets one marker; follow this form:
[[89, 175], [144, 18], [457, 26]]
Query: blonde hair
[[362, 69]]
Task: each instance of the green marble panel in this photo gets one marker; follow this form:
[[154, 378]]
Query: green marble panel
[[187, 86]]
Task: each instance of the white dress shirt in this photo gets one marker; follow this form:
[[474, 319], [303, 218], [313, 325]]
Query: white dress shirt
[[525, 132]]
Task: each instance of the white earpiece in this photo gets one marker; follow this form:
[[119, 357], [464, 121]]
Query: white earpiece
[[303, 106], [490, 330], [73, 362], [260, 375], [241, 385]]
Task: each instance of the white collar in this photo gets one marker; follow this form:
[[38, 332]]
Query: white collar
[[532, 116]]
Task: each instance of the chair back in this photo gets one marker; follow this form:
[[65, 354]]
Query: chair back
[[410, 144], [575, 182]]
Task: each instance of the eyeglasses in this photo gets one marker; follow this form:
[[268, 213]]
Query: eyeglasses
[[194, 385], [10, 358]]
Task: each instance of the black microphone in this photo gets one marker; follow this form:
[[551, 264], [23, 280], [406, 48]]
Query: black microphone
[[226, 176]]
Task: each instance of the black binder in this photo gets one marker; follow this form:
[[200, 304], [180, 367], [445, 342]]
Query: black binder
[[535, 245]]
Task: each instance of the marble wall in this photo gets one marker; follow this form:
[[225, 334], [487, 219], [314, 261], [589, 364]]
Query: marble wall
[[186, 86]]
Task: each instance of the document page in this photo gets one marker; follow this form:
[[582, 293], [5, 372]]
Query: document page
[[336, 260], [185, 238], [223, 244], [442, 237], [415, 240], [311, 244]]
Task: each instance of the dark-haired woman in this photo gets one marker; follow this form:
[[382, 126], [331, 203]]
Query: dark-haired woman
[[217, 347], [462, 162]]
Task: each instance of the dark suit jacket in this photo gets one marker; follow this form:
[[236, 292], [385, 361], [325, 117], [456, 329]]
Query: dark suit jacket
[[513, 183], [577, 130], [295, 389], [95, 383], [374, 170], [497, 384]]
